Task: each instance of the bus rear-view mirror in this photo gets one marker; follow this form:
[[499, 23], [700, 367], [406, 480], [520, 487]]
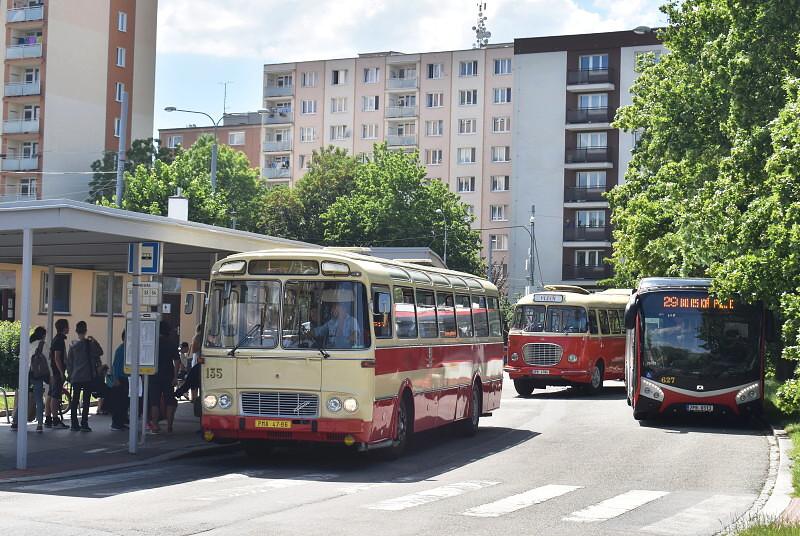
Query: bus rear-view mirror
[[188, 306]]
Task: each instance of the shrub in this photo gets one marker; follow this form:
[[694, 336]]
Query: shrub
[[9, 353]]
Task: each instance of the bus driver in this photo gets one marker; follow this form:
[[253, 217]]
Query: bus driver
[[342, 330]]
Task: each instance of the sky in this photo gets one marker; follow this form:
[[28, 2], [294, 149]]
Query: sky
[[204, 43]]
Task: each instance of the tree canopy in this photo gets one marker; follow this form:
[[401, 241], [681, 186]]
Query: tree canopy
[[143, 152]]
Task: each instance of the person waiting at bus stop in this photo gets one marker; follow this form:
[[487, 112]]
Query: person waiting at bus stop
[[341, 330], [162, 383]]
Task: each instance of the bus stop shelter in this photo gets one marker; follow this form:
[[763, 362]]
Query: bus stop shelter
[[72, 234]]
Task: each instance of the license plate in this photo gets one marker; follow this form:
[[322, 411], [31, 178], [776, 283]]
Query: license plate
[[542, 372], [700, 408], [273, 424]]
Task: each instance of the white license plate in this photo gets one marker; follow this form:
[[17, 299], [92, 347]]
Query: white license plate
[[700, 408], [543, 372]]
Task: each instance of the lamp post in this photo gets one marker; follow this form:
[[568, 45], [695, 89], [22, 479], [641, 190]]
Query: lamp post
[[531, 234], [444, 218], [214, 147]]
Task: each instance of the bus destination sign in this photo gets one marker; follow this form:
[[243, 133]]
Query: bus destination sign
[[549, 298], [701, 304]]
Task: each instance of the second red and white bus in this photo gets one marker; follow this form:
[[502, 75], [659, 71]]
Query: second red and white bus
[[566, 335]]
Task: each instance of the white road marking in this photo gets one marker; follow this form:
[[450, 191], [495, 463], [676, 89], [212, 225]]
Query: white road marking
[[264, 485], [520, 501], [615, 506], [89, 481], [95, 451], [430, 495], [356, 488], [710, 515]]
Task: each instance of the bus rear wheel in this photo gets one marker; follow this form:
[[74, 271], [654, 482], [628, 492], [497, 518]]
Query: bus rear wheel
[[469, 426], [523, 387]]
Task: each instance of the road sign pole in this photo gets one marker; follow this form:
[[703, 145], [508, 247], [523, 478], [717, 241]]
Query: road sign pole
[[135, 338], [145, 408]]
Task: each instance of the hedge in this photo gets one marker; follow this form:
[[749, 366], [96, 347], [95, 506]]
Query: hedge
[[9, 353]]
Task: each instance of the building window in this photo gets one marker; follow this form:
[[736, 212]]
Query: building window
[[404, 129], [173, 142], [645, 58], [308, 107], [590, 218], [338, 105], [501, 154], [30, 112], [434, 100], [30, 149], [307, 134], [308, 79], [593, 62], [370, 103], [465, 184], [467, 155], [339, 77], [470, 209], [31, 75], [369, 131], [339, 132], [27, 187], [502, 95], [467, 126], [122, 21], [498, 242], [284, 80], [589, 101], [592, 139], [501, 124], [589, 257], [100, 295], [120, 89], [468, 68], [501, 183], [120, 57], [434, 128], [236, 138], [435, 71], [468, 97], [433, 157], [590, 179], [498, 212], [502, 66], [371, 75], [62, 289], [117, 127]]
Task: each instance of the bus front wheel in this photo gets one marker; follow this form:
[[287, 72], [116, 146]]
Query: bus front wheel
[[403, 431], [596, 384], [523, 387]]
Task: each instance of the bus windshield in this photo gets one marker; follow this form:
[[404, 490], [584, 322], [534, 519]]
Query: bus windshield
[[688, 334], [551, 319], [244, 313]]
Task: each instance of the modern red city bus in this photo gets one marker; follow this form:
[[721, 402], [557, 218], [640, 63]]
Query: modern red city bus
[[566, 335], [688, 352]]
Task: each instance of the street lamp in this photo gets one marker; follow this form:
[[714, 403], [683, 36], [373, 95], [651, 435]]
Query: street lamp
[[531, 234], [444, 218], [214, 147]]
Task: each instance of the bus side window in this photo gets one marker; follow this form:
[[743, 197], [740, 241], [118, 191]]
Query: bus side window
[[447, 319], [426, 311], [604, 327], [479, 318], [463, 316], [613, 319], [621, 316], [382, 312], [593, 328], [405, 314], [495, 325]]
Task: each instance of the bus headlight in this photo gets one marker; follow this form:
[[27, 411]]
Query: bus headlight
[[651, 390], [572, 358], [334, 405], [515, 356], [210, 401], [225, 401], [749, 393], [350, 405]]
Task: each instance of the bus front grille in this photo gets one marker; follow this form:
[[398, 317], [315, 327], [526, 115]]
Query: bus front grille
[[288, 405], [542, 354]]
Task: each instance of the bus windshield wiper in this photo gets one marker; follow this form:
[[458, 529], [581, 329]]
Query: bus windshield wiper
[[320, 347], [247, 337]]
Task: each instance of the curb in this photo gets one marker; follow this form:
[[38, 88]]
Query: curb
[[167, 456]]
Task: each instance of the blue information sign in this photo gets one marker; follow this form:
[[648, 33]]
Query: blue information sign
[[150, 255]]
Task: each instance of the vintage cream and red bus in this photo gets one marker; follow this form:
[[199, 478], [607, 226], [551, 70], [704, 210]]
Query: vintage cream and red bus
[[689, 352], [566, 335], [334, 346]]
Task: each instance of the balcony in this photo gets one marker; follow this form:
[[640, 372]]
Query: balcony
[[15, 52], [25, 14], [401, 83], [589, 115], [582, 272], [589, 76], [22, 89], [20, 164], [20, 126], [276, 172], [17, 192], [588, 155], [278, 91], [278, 116], [583, 194], [394, 140], [401, 111], [587, 234], [277, 146]]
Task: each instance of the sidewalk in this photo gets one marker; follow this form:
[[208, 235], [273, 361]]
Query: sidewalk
[[59, 452]]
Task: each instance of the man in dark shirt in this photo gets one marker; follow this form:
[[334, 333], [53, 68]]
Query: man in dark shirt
[[58, 355], [161, 385]]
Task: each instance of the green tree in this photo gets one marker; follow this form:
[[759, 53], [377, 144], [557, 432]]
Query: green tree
[[393, 204], [142, 152], [282, 213]]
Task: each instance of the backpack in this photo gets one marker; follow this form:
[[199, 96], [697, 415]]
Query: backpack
[[39, 369]]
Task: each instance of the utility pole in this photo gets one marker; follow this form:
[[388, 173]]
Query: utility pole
[[489, 270], [533, 247], [123, 130]]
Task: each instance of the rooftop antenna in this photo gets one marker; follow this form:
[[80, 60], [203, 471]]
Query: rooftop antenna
[[482, 35], [225, 96]]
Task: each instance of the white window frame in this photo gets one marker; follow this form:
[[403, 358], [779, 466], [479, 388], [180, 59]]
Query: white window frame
[[117, 127], [371, 75], [592, 258], [308, 107], [309, 79], [465, 184], [590, 179], [119, 90], [308, 134], [501, 95], [339, 132], [233, 138], [434, 127], [498, 242], [174, 141], [370, 103], [467, 126], [593, 62], [121, 57], [470, 209], [595, 219], [434, 157], [369, 131], [467, 97], [594, 101], [338, 105], [501, 153], [501, 124], [435, 71], [338, 77], [498, 212], [473, 155], [500, 183], [434, 100], [502, 66], [116, 302], [122, 21], [589, 140], [468, 68]]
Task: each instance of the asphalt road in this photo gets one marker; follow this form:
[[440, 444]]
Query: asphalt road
[[559, 463]]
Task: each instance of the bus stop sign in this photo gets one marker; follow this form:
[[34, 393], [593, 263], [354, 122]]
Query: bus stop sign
[[150, 258]]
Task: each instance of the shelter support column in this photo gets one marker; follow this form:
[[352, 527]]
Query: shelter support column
[[51, 289], [110, 324], [21, 401]]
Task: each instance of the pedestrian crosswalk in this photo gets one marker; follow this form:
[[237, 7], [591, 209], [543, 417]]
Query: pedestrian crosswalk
[[520, 501]]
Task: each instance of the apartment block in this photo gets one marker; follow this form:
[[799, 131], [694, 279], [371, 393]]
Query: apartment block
[[454, 107], [241, 131], [566, 155], [66, 65]]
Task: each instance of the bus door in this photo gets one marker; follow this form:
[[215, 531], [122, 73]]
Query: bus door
[[615, 345]]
